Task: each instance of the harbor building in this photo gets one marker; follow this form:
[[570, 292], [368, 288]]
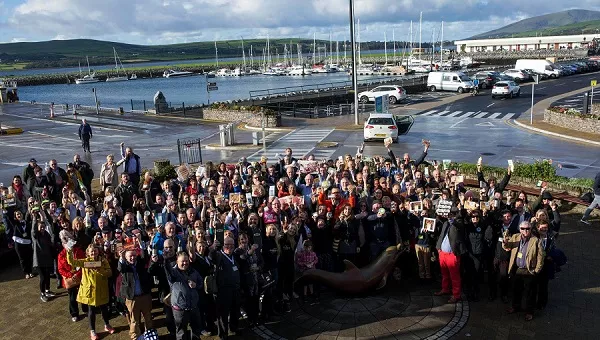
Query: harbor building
[[558, 42]]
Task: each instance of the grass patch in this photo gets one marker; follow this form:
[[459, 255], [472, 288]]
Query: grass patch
[[12, 66]]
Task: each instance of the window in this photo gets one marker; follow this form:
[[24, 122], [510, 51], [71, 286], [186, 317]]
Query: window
[[465, 78], [446, 78], [454, 78], [381, 121]]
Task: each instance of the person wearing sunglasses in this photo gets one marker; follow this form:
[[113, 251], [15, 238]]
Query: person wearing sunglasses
[[526, 262]]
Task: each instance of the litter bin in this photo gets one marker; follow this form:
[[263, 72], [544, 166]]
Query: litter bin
[[254, 138], [223, 135]]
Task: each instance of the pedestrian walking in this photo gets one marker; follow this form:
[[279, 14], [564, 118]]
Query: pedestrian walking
[[85, 134], [595, 203]]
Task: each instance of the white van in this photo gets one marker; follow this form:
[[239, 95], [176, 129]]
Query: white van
[[541, 66], [449, 81]]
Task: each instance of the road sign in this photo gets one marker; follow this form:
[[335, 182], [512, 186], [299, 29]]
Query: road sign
[[212, 88], [536, 78], [211, 84], [593, 83], [382, 103]]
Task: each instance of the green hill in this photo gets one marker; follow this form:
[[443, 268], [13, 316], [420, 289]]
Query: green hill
[[540, 23], [61, 53], [572, 29]]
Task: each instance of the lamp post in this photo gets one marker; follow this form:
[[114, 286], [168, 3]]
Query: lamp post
[[354, 66]]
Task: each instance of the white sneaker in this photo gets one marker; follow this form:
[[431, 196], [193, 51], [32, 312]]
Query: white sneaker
[[49, 294], [74, 319], [584, 221]]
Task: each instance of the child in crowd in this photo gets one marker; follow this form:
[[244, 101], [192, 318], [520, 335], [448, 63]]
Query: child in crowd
[[307, 259]]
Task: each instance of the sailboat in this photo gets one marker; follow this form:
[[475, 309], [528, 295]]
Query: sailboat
[[118, 66], [88, 78]]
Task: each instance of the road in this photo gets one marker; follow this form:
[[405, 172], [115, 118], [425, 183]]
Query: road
[[461, 131]]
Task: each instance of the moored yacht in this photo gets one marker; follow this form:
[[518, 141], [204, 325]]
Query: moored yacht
[[175, 74]]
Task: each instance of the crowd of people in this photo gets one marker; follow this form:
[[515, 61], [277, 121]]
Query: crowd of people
[[227, 241]]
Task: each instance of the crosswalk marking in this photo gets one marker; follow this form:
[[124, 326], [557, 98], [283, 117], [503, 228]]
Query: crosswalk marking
[[468, 114], [301, 141], [454, 114]]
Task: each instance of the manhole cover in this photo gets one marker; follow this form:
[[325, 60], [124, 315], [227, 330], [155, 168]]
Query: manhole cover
[[488, 154], [503, 146], [569, 166]]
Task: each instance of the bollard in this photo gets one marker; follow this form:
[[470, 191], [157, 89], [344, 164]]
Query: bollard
[[51, 110], [254, 138]]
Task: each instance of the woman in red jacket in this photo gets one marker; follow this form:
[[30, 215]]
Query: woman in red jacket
[[67, 272]]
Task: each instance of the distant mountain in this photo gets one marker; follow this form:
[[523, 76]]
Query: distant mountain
[[542, 22]]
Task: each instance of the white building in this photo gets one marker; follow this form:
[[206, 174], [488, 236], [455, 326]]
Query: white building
[[530, 43]]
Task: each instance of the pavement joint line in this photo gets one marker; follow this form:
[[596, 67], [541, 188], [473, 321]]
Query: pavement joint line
[[554, 134]]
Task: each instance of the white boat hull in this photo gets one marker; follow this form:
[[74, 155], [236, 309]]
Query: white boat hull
[[115, 79], [87, 81]]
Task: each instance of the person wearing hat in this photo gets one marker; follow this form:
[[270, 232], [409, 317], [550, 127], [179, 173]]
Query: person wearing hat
[[451, 247], [546, 203], [29, 173]]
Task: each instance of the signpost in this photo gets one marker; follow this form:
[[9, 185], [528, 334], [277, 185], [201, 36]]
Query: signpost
[[382, 104], [593, 83], [536, 80], [210, 87]]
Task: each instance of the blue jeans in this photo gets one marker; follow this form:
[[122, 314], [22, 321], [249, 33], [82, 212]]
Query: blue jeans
[[595, 203]]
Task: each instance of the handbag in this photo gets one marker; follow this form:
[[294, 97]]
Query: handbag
[[72, 282], [210, 284]]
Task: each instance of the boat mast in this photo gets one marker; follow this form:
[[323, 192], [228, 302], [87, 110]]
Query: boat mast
[[358, 41], [243, 55], [394, 39], [337, 53], [420, 36], [442, 46], [116, 64], [88, 62], [216, 55], [314, 47], [385, 46], [251, 58], [330, 49]]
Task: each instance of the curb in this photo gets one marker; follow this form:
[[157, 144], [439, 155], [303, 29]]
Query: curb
[[232, 148], [254, 128], [11, 131], [549, 133]]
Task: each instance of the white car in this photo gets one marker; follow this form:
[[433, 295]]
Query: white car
[[517, 75], [395, 93], [380, 126], [506, 89]]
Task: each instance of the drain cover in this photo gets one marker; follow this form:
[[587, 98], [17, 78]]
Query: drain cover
[[488, 154], [569, 166]]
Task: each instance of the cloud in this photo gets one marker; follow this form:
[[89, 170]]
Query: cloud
[[173, 21]]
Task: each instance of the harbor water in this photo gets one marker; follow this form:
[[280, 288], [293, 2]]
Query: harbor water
[[188, 90]]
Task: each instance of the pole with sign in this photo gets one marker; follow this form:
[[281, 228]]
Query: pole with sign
[[210, 87], [536, 80], [593, 83], [382, 103]]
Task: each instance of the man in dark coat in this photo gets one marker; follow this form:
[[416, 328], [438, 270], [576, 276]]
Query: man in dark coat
[[57, 179], [86, 172], [85, 134], [29, 173], [451, 247], [135, 289]]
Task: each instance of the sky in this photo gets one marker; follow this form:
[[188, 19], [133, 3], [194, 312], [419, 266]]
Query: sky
[[152, 22]]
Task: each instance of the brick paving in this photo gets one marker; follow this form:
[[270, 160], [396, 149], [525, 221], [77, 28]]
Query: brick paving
[[403, 310]]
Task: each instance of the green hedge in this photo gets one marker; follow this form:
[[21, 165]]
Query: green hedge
[[543, 170]]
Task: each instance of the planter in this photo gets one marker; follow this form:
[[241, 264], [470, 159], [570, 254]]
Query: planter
[[238, 116], [159, 164], [573, 122]]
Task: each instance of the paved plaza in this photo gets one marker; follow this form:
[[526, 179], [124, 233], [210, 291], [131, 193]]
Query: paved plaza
[[403, 310]]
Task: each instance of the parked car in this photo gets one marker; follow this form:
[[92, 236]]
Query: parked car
[[395, 93], [486, 79], [508, 89], [517, 75], [380, 126]]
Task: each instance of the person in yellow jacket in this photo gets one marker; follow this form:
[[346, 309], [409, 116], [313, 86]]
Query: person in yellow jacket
[[93, 290]]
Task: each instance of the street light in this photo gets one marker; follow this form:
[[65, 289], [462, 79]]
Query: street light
[[354, 67]]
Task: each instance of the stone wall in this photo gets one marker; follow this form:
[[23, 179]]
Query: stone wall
[[572, 122], [250, 118], [596, 109]]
